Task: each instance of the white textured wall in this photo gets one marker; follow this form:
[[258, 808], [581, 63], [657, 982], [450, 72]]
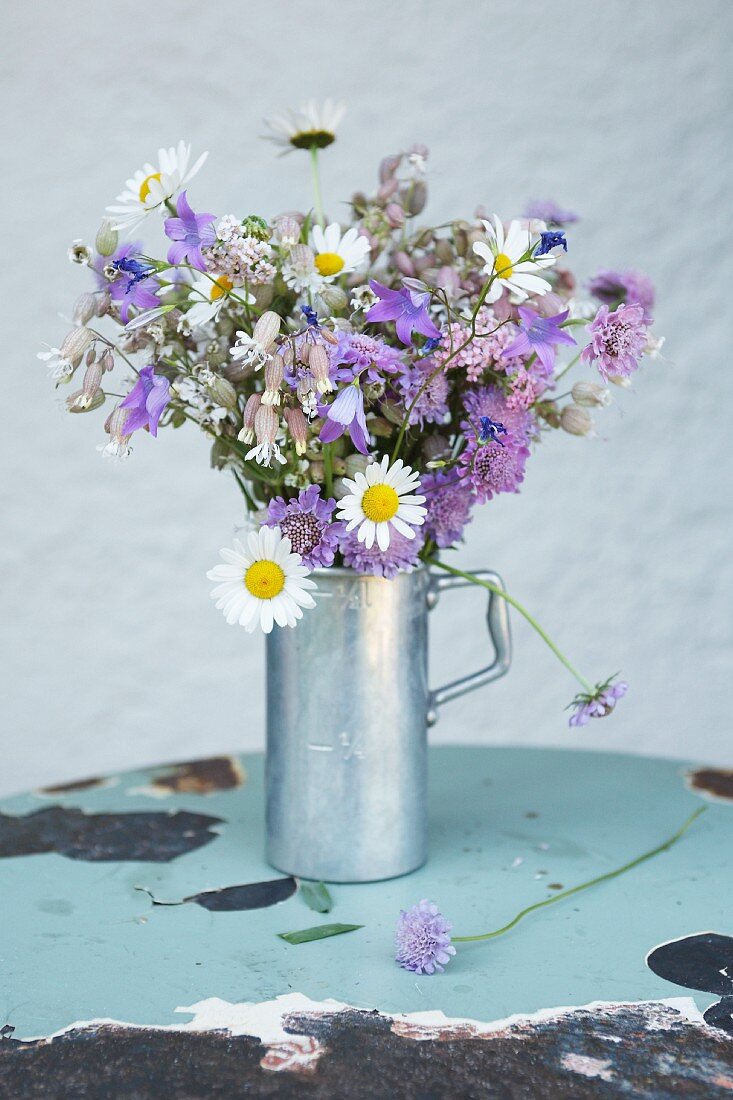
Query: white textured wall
[[112, 653]]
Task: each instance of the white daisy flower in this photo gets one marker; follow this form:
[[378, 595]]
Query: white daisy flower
[[151, 185], [262, 582], [381, 496], [503, 258], [313, 126], [337, 254], [212, 293]]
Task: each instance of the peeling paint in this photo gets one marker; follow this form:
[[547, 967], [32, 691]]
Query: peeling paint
[[104, 837], [713, 783], [250, 895], [704, 961], [216, 773]]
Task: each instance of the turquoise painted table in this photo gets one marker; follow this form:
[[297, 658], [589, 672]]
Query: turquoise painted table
[[139, 954]]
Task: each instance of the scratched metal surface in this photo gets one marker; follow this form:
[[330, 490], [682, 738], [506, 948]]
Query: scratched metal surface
[[79, 941]]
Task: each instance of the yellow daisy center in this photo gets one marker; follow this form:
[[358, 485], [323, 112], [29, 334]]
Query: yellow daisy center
[[380, 503], [145, 185], [329, 263], [503, 266], [221, 287], [264, 579]]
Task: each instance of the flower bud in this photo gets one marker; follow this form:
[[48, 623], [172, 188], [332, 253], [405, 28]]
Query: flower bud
[[267, 329], [298, 426], [387, 189], [333, 296], [246, 435], [356, 464], [84, 309], [79, 253], [319, 367], [328, 336], [416, 197], [590, 394], [273, 380], [106, 241], [576, 420], [620, 380], [435, 447], [107, 360], [444, 251], [395, 215], [104, 301], [223, 392], [75, 344], [378, 425], [404, 264], [388, 166]]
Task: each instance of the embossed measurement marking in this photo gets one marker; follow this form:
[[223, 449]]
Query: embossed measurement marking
[[349, 746]]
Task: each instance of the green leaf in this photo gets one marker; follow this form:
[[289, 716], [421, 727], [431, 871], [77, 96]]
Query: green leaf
[[320, 932], [316, 896]]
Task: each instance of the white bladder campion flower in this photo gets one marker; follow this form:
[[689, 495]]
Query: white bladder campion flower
[[150, 187], [263, 583], [506, 258], [382, 496]]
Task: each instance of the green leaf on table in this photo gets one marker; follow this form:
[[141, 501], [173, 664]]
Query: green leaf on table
[[316, 896], [320, 932]]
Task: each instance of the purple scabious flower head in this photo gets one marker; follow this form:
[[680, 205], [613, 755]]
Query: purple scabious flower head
[[629, 287], [599, 704], [190, 233], [618, 341], [495, 467], [449, 498], [548, 211], [401, 556], [432, 404], [307, 521], [408, 308], [346, 414], [540, 335], [422, 939], [365, 356], [553, 238], [146, 401]]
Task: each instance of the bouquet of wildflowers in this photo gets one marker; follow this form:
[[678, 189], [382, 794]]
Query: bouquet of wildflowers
[[367, 385]]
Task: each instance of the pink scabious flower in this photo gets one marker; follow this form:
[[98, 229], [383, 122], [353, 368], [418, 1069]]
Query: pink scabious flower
[[431, 406], [599, 704], [401, 556], [449, 497], [628, 287], [307, 521], [496, 466], [365, 356], [482, 352], [618, 341], [422, 939]]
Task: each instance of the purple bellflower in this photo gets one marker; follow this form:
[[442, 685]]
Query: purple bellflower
[[346, 413], [146, 401], [190, 233], [540, 335], [408, 308]]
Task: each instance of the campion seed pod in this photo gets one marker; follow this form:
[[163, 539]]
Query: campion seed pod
[[106, 240], [85, 307], [287, 230], [590, 394], [404, 264], [286, 352], [387, 190], [266, 424], [388, 166], [267, 329], [416, 197], [246, 435], [273, 380], [549, 412], [333, 296], [104, 301], [444, 251], [304, 352], [356, 464], [620, 380], [223, 392], [79, 402], [575, 420], [75, 344], [379, 426], [114, 425], [87, 396], [319, 368], [329, 337], [298, 427]]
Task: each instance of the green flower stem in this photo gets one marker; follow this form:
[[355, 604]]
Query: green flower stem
[[317, 185], [663, 847], [522, 611]]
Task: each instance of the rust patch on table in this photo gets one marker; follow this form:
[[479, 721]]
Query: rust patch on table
[[649, 1049], [217, 773], [149, 836], [712, 782]]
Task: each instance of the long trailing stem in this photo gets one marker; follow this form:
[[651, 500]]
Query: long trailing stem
[[522, 611], [317, 185], [663, 847]]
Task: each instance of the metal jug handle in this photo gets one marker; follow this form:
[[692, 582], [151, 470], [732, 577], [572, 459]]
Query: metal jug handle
[[497, 621]]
